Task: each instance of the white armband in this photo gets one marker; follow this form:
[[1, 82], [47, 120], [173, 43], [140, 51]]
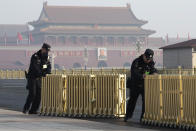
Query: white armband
[[44, 66]]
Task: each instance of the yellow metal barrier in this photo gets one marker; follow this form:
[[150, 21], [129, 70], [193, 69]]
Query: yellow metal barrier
[[177, 71], [124, 71], [19, 74], [153, 99], [81, 95], [170, 101], [93, 71], [110, 95], [12, 74], [53, 100], [189, 102]]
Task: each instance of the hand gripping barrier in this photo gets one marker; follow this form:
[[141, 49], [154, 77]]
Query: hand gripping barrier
[[84, 95]]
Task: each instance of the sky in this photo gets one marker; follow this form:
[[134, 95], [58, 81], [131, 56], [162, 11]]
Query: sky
[[170, 17]]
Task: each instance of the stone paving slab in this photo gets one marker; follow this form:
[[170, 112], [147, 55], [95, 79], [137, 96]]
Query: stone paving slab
[[16, 121]]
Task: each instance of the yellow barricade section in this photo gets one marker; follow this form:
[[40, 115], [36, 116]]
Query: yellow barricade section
[[12, 74], [53, 100], [84, 95], [170, 101], [94, 71], [109, 95], [20, 74], [153, 99], [79, 95], [189, 101]]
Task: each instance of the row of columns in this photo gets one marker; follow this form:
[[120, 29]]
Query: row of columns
[[95, 40]]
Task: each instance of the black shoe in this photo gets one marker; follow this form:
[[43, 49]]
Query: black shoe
[[33, 112], [24, 111], [141, 121], [125, 119]]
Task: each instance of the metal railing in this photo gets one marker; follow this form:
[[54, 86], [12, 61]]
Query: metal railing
[[20, 74], [178, 71], [82, 95], [93, 71], [12, 74], [170, 101]]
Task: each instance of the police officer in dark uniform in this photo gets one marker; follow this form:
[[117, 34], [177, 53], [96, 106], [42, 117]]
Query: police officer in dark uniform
[[141, 67], [39, 67]]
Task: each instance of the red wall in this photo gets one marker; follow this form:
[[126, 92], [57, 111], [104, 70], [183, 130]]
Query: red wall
[[115, 58]]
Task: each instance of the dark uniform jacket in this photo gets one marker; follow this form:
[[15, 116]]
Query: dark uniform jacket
[[39, 65], [138, 69]]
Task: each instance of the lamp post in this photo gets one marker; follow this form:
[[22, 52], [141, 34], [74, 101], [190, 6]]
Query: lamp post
[[52, 57], [138, 46], [85, 57]]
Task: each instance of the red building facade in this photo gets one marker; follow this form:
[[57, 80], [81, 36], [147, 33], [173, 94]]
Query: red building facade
[[89, 26], [92, 36]]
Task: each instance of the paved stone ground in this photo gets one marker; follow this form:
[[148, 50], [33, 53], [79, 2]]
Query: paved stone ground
[[11, 119], [16, 121]]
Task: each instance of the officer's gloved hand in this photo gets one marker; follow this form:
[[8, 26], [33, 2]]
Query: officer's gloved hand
[[43, 74], [144, 76]]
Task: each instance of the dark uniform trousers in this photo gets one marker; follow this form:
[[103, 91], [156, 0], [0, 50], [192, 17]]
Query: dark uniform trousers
[[134, 94], [34, 96]]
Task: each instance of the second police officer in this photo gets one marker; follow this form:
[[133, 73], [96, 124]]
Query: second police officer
[[39, 67], [141, 67]]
